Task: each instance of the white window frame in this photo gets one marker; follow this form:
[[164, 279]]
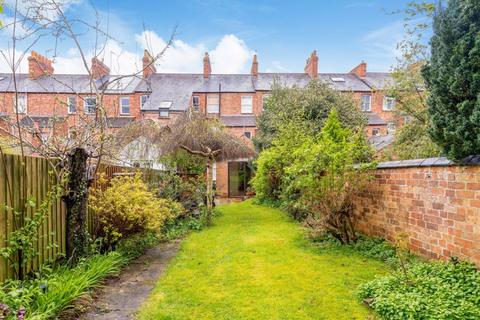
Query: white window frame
[[246, 104], [363, 102], [388, 103], [87, 111], [375, 132], [121, 105], [69, 104], [391, 127], [142, 103], [213, 107], [20, 97], [196, 106]]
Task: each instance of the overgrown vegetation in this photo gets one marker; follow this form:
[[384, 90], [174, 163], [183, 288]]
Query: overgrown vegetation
[[52, 289], [127, 207], [452, 76], [313, 175]]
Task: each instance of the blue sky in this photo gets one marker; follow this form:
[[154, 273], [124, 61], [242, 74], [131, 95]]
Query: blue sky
[[282, 33]]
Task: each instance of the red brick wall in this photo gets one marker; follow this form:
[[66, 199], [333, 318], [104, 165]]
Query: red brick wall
[[437, 207]]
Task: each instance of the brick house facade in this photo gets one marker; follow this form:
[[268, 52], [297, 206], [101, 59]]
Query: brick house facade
[[236, 99]]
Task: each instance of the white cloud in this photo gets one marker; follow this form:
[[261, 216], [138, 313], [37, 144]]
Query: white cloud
[[230, 55]]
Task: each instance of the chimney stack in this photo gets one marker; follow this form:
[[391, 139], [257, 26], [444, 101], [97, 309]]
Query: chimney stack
[[99, 69], [207, 68], [311, 68], [254, 70], [360, 70], [148, 64], [38, 66]]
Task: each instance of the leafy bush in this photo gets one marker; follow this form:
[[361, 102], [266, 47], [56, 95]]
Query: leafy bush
[[178, 228], [189, 190], [314, 175], [127, 207], [430, 291]]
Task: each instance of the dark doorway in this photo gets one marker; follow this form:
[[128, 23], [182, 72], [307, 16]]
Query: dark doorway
[[239, 173]]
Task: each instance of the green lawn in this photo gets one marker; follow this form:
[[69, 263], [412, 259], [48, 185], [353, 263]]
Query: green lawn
[[255, 263]]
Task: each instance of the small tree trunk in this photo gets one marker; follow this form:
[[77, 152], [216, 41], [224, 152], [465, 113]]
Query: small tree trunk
[[76, 202], [209, 188]]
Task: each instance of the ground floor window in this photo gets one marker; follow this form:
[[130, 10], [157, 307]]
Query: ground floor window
[[239, 173]]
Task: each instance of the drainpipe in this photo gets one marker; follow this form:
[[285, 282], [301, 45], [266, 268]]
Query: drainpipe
[[219, 100]]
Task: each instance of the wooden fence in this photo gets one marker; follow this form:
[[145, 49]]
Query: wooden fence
[[33, 179]]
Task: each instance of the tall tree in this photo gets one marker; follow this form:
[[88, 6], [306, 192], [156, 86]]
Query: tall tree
[[453, 78], [412, 140]]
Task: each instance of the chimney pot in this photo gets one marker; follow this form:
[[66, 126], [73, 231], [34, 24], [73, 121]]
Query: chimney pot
[[360, 70], [207, 68], [311, 67], [148, 64], [99, 69], [39, 65], [254, 70]]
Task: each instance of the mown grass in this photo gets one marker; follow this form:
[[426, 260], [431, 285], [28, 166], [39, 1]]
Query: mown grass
[[256, 263]]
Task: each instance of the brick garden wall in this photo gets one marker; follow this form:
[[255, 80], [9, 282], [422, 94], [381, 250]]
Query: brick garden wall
[[434, 202]]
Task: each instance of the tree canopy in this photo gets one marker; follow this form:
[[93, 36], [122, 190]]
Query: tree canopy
[[453, 79], [307, 108]]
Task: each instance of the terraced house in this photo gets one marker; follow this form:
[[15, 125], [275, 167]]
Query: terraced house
[[236, 99]]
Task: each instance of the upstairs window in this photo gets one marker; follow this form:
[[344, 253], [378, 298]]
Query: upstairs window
[[213, 104], [196, 103], [90, 104], [72, 105], [248, 135], [20, 104], [365, 103], [143, 100], [375, 132], [125, 105], [388, 103], [247, 104]]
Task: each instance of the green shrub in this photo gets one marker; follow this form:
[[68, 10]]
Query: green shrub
[[433, 290], [127, 207], [189, 190]]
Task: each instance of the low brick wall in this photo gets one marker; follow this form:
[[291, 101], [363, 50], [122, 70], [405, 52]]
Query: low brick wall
[[436, 203]]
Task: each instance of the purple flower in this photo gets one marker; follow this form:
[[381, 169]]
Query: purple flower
[[21, 313], [4, 310]]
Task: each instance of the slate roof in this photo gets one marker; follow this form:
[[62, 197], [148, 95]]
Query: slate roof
[[378, 80], [118, 122], [64, 83], [178, 88], [380, 142], [374, 119], [41, 121], [239, 120]]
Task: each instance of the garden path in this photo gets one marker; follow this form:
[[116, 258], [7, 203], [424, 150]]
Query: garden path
[[122, 296], [256, 263]]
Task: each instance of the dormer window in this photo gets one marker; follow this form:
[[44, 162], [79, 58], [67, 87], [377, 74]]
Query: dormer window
[[337, 79], [164, 109]]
